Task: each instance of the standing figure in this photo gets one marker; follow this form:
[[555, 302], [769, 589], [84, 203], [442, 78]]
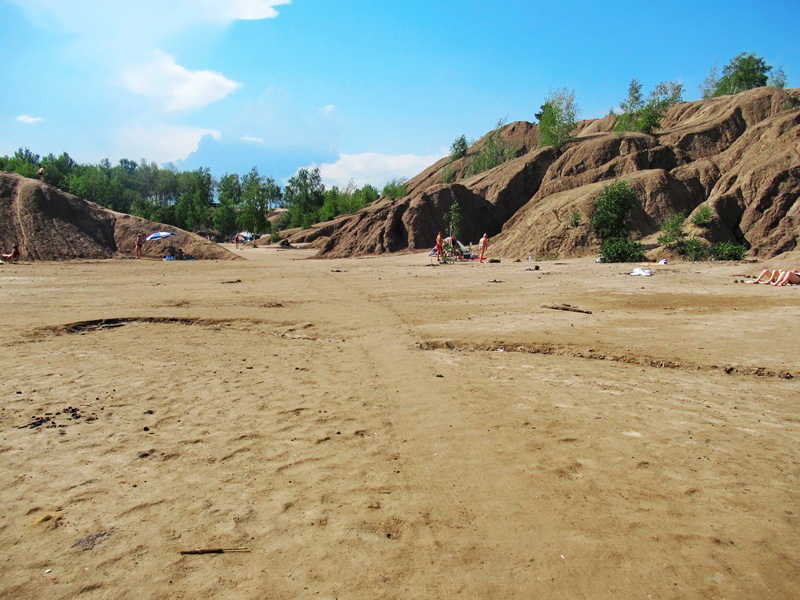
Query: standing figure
[[483, 245], [41, 173], [137, 249], [438, 246]]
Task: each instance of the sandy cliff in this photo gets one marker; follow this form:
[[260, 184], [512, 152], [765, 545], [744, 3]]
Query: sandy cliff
[[50, 224], [736, 154]]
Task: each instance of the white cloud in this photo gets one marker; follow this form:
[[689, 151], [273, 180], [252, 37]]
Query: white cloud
[[373, 168], [250, 138], [29, 120], [145, 17], [160, 143], [177, 87], [249, 10], [280, 121]]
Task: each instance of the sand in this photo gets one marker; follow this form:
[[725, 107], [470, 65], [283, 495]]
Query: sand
[[384, 428]]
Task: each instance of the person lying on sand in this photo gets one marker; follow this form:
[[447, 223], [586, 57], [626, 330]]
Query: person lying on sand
[[13, 256], [779, 277]]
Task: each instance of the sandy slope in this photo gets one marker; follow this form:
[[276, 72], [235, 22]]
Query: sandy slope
[[381, 428]]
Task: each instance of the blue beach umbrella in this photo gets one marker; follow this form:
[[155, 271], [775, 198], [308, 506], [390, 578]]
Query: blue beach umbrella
[[158, 235]]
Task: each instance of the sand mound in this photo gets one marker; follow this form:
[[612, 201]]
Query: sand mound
[[735, 154], [50, 224]]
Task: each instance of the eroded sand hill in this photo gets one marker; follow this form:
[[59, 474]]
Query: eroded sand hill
[[737, 155], [50, 224]]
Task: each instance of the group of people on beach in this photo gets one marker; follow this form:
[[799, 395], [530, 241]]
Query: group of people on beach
[[483, 244], [779, 277]]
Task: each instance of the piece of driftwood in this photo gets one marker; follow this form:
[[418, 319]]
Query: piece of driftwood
[[214, 550], [568, 307]]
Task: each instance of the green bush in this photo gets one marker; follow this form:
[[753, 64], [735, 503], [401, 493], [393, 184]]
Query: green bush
[[494, 152], [557, 118], [459, 148], [671, 230], [614, 204], [621, 250], [638, 115], [448, 175], [728, 251], [704, 216], [575, 219], [693, 249], [395, 189]]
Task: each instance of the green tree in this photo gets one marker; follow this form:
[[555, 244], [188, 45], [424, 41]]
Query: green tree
[[777, 79], [193, 208], [23, 162], [494, 151], [638, 115], [630, 107], [58, 170], [259, 194], [610, 221], [557, 118], [672, 234], [303, 196], [332, 205], [744, 72], [396, 189], [454, 220], [611, 210], [459, 148], [354, 198], [229, 197]]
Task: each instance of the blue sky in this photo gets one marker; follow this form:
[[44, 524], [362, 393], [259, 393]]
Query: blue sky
[[367, 90]]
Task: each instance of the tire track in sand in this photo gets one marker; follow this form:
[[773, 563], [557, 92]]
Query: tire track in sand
[[454, 505]]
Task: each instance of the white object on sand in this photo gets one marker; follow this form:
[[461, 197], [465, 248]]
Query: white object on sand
[[641, 271]]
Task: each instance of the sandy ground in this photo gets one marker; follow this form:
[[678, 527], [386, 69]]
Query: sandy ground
[[384, 428]]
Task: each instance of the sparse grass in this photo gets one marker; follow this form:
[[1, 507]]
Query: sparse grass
[[704, 217]]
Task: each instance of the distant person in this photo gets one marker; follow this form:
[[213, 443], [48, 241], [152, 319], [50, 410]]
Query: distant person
[[483, 244], [137, 249], [41, 173], [454, 248], [236, 240], [13, 256], [179, 254], [439, 246]]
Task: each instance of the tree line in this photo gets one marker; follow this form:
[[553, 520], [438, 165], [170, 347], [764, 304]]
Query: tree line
[[195, 200]]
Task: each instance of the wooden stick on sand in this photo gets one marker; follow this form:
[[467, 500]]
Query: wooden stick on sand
[[214, 550], [568, 307]]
